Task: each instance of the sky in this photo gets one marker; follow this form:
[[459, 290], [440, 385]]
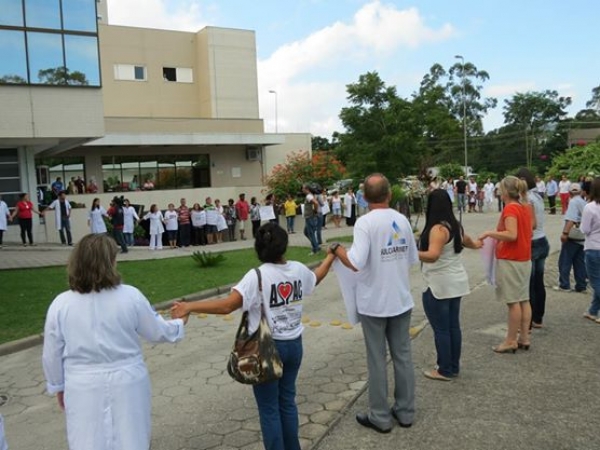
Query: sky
[[309, 50]]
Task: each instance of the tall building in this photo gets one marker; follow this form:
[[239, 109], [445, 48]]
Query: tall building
[[135, 111]]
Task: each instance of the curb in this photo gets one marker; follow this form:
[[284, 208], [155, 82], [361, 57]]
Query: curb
[[37, 339]]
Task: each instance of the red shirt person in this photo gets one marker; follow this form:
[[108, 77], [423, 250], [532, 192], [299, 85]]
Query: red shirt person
[[242, 211], [24, 210]]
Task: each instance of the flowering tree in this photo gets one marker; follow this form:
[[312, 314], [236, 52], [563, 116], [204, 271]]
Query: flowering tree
[[299, 168]]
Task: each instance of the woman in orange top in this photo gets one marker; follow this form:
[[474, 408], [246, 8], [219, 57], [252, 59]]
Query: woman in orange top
[[513, 268]]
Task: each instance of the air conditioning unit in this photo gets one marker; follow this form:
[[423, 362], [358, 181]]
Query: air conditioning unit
[[253, 153]]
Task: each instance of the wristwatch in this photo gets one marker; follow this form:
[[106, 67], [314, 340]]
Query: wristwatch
[[334, 246]]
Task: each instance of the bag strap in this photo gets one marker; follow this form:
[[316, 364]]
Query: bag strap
[[257, 270]]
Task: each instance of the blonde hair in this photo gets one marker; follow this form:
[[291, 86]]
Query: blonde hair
[[92, 266], [514, 188]]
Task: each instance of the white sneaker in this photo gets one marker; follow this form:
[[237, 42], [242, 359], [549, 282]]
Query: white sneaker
[[559, 289]]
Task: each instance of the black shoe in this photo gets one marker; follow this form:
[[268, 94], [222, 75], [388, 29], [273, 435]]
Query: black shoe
[[402, 424], [363, 419]]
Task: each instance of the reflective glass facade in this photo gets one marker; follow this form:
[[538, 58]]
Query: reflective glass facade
[[49, 42]]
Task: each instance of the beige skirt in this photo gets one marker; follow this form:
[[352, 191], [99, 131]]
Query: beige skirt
[[512, 280]]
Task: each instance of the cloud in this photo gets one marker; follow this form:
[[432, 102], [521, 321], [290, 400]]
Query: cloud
[[374, 34], [182, 15]]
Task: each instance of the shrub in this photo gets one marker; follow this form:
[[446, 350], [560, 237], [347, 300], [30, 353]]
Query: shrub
[[208, 259]]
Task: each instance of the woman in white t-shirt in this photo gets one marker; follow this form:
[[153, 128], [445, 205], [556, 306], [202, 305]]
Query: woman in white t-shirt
[[171, 225], [284, 283]]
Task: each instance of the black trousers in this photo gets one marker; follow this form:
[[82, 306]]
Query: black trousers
[[26, 226], [552, 203]]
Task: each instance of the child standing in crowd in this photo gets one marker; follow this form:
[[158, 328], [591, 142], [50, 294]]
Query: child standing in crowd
[[472, 201], [171, 225], [480, 200], [290, 207], [130, 218], [156, 227], [96, 218]]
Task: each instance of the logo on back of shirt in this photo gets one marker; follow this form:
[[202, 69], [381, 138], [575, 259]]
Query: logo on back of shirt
[[396, 246], [285, 293]]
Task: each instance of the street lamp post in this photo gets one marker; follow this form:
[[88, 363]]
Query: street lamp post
[[464, 99], [276, 119]]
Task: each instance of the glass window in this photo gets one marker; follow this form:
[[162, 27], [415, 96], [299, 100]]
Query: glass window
[[140, 73], [13, 64], [11, 13], [184, 173], [79, 15], [169, 74], [46, 58], [82, 60], [9, 170], [42, 14], [10, 185], [9, 155]]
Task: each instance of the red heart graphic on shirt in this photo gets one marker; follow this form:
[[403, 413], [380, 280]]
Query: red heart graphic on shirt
[[285, 290]]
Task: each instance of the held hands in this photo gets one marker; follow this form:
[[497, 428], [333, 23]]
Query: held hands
[[179, 310]]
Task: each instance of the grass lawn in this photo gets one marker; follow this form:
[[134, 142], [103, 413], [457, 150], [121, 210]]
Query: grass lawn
[[27, 293]]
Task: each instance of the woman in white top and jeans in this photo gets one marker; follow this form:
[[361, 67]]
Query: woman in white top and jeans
[[446, 281], [590, 226], [285, 283]]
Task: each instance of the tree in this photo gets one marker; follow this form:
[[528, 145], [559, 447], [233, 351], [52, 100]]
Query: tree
[[12, 79], [381, 132], [465, 83], [535, 113], [322, 168], [62, 75], [594, 102], [577, 161], [320, 143], [451, 170]]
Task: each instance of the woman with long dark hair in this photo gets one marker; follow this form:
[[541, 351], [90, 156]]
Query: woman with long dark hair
[[446, 280], [276, 400]]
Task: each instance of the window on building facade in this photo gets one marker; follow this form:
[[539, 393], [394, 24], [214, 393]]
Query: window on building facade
[[70, 169], [10, 181], [53, 42], [178, 74], [129, 72], [155, 172]]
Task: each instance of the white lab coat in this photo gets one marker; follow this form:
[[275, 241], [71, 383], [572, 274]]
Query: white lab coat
[[93, 353], [4, 212], [55, 205], [96, 218], [129, 215], [156, 222]]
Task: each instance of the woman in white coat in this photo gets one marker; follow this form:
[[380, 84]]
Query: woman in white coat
[[129, 218], [156, 227], [96, 218], [92, 354], [4, 217]]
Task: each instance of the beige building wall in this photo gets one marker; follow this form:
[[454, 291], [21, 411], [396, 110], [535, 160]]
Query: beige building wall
[[277, 154], [223, 64], [49, 114]]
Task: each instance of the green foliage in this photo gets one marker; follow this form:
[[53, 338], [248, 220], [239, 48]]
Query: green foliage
[[399, 194], [453, 170], [12, 79], [483, 175], [62, 75], [577, 161], [208, 259]]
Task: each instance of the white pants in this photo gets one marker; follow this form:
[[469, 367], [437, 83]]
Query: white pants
[[156, 241], [3, 444]]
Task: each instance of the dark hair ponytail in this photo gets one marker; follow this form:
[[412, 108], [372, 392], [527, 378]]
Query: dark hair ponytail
[[271, 243]]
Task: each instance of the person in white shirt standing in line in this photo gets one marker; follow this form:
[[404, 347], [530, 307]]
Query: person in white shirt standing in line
[[540, 186], [171, 225], [563, 191], [382, 252], [4, 217], [489, 189], [129, 218]]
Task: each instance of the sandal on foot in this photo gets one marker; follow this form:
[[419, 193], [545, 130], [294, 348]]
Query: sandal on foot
[[435, 375]]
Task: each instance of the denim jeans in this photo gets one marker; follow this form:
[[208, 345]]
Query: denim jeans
[[310, 231], [290, 223], [462, 202], [319, 228], [66, 228], [444, 317], [571, 255], [537, 291], [592, 263], [129, 239], [118, 235], [277, 401]]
